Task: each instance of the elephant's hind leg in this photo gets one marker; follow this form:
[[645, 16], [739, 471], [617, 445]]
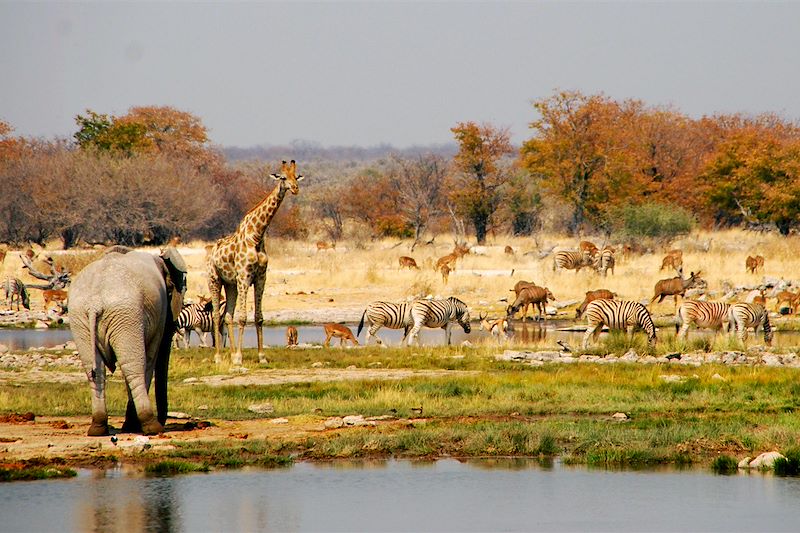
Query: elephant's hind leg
[[137, 370], [97, 379]]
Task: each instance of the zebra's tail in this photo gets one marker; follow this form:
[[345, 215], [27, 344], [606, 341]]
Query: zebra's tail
[[361, 324]]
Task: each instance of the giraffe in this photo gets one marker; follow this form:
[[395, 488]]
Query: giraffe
[[239, 260]]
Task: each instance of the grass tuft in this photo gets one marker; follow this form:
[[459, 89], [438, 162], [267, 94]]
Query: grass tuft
[[724, 464]]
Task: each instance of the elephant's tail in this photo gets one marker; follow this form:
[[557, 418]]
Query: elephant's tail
[[98, 361]]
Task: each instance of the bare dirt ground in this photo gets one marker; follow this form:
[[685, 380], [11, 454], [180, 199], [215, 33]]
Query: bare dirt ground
[[58, 438]]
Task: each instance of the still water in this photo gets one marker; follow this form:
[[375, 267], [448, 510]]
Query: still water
[[524, 333], [445, 495]]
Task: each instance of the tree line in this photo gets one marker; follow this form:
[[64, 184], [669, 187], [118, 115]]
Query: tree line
[[591, 164]]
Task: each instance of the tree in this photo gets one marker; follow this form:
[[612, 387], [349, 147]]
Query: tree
[[418, 185], [9, 146], [479, 173]]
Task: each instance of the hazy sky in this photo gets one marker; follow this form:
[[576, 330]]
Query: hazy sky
[[404, 73]]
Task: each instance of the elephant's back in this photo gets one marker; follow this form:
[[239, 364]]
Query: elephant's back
[[117, 280]]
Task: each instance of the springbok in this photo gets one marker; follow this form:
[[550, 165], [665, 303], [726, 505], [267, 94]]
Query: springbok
[[496, 328], [407, 262], [291, 336], [340, 331]]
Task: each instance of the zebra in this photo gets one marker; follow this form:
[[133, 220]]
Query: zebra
[[16, 290], [743, 316], [702, 315], [438, 314], [197, 317], [604, 261], [572, 260], [389, 314], [617, 314]]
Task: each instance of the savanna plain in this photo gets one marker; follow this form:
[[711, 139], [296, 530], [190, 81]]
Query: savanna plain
[[311, 403]]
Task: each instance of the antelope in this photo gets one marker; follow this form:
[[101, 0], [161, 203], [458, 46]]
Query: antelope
[[340, 331], [449, 260], [495, 328], [445, 270], [592, 296], [460, 250], [54, 295], [407, 262], [322, 245], [535, 296], [518, 286], [291, 336], [751, 264], [588, 247], [673, 259], [761, 299], [792, 298], [508, 250], [675, 287]]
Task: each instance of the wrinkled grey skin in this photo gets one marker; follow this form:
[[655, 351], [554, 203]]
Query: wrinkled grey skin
[[121, 315]]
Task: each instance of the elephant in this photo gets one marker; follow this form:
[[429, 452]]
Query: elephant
[[122, 313]]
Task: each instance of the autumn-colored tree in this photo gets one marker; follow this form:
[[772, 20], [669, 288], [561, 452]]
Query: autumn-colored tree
[[149, 130], [574, 153], [479, 173], [369, 198], [754, 175], [9, 146]]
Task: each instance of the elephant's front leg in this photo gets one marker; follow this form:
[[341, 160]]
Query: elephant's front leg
[[97, 380], [258, 292]]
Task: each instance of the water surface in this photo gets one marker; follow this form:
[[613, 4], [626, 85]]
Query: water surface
[[407, 496]]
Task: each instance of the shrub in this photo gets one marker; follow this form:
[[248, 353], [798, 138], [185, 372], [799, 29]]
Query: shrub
[[654, 221], [790, 466], [724, 464]]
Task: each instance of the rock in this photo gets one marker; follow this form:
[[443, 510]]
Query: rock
[[466, 344], [353, 420], [671, 378], [630, 356], [352, 367], [745, 463], [621, 417], [3, 348], [203, 407], [771, 360], [191, 380], [178, 415], [40, 324], [261, 408], [717, 377], [279, 421], [766, 460], [334, 423], [317, 364], [238, 370]]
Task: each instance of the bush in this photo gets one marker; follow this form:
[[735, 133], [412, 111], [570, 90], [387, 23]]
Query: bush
[[790, 466], [724, 464], [654, 221]]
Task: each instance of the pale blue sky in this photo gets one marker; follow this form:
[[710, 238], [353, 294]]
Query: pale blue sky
[[404, 73]]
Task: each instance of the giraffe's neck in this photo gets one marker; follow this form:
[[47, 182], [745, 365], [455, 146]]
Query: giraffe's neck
[[256, 221]]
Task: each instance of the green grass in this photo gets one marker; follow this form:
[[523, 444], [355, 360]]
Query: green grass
[[173, 467], [501, 409], [725, 464]]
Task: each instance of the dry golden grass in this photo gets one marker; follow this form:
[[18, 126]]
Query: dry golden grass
[[339, 283]]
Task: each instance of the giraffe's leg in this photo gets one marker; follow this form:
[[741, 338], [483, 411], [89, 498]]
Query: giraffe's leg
[[240, 317], [258, 292], [215, 287]]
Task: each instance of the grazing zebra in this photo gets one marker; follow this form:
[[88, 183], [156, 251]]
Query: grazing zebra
[[438, 314], [16, 290], [572, 260], [617, 314], [743, 316], [702, 315], [197, 317], [604, 261], [389, 314]]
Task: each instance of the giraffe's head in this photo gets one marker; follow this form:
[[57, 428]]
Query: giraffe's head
[[289, 176]]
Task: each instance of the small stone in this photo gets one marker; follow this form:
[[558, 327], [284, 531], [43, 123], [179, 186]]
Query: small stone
[[353, 420], [718, 377], [317, 364], [178, 415], [745, 463], [352, 367], [671, 378], [279, 421], [334, 423], [620, 417], [191, 380], [203, 407]]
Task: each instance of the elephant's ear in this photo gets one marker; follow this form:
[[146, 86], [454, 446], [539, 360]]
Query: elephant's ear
[[175, 279]]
